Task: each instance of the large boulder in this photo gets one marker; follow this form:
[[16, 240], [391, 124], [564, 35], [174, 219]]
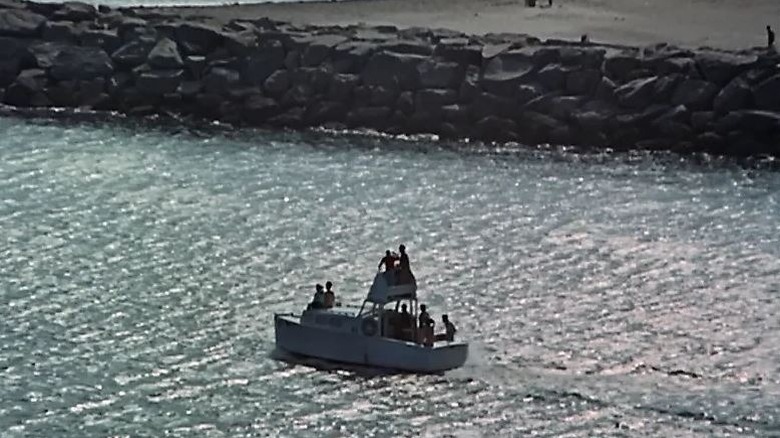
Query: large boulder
[[258, 109], [553, 77], [159, 82], [370, 117], [81, 63], [18, 22], [506, 71], [407, 47], [351, 56], [487, 104], [766, 95], [583, 82], [459, 51], [107, 40], [342, 86], [28, 89], [76, 11], [494, 128], [325, 111], [63, 31], [319, 48], [553, 105], [695, 94], [393, 70], [276, 84], [721, 67], [760, 122], [198, 39], [734, 96], [219, 80], [12, 51], [434, 74], [638, 93], [165, 55], [260, 63], [619, 66], [134, 53], [537, 128], [431, 101], [374, 95]]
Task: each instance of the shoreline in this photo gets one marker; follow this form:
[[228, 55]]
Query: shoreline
[[722, 24]]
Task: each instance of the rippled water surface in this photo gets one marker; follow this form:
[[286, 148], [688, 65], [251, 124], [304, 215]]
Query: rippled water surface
[[603, 296]]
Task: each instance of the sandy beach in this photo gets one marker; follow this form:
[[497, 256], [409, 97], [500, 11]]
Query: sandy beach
[[731, 24]]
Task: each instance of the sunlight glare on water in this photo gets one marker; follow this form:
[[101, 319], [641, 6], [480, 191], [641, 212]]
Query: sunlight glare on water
[[602, 296]]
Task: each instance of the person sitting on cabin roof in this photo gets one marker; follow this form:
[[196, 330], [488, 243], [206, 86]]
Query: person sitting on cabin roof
[[330, 296], [318, 302], [388, 260]]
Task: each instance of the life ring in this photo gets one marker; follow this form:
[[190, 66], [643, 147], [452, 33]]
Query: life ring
[[369, 327]]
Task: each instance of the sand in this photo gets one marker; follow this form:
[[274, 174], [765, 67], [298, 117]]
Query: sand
[[728, 24]]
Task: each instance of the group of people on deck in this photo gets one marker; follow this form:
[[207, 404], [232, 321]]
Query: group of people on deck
[[323, 299], [397, 267]]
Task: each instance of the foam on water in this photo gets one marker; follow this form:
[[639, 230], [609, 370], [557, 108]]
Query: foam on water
[[603, 295]]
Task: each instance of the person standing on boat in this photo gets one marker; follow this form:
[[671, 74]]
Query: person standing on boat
[[449, 328], [330, 296], [319, 298], [426, 326], [389, 261], [404, 272]]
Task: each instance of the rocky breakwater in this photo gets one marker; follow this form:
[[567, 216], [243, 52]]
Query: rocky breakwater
[[504, 87]]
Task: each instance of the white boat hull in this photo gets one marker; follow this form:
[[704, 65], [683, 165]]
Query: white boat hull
[[354, 348]]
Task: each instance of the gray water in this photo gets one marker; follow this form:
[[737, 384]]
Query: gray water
[[602, 295]]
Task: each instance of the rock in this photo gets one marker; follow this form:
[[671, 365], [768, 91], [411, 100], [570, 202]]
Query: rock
[[407, 47], [219, 79], [293, 118], [319, 48], [506, 71], [721, 67], [588, 58], [12, 51], [131, 28], [469, 88], [678, 114], [536, 128], [392, 70], [458, 114], [591, 121], [75, 62], [605, 90], [760, 122], [159, 82], [435, 74], [710, 141], [317, 78], [673, 130], [766, 95], [637, 93], [276, 84], [431, 101], [262, 62], [486, 104], [405, 102], [61, 31], [63, 94], [18, 22], [553, 105], [27, 89], [682, 65], [298, 95], [734, 96], [197, 39], [702, 120], [240, 43], [351, 56], [258, 109], [665, 86], [696, 94], [165, 55], [583, 82], [326, 111], [618, 66], [189, 89], [552, 77], [372, 95], [133, 53], [495, 128], [76, 11], [371, 117], [459, 53], [195, 64], [107, 40], [341, 87], [528, 92]]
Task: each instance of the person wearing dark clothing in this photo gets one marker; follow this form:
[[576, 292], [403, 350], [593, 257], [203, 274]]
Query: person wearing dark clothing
[[770, 37], [426, 327], [330, 296], [388, 260], [403, 261], [318, 302]]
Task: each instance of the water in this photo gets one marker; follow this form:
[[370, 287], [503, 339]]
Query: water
[[603, 296], [154, 3]]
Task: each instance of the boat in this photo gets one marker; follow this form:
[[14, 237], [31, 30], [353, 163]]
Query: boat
[[375, 334]]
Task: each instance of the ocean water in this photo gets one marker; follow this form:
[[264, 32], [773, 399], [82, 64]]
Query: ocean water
[[153, 3], [603, 295]]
